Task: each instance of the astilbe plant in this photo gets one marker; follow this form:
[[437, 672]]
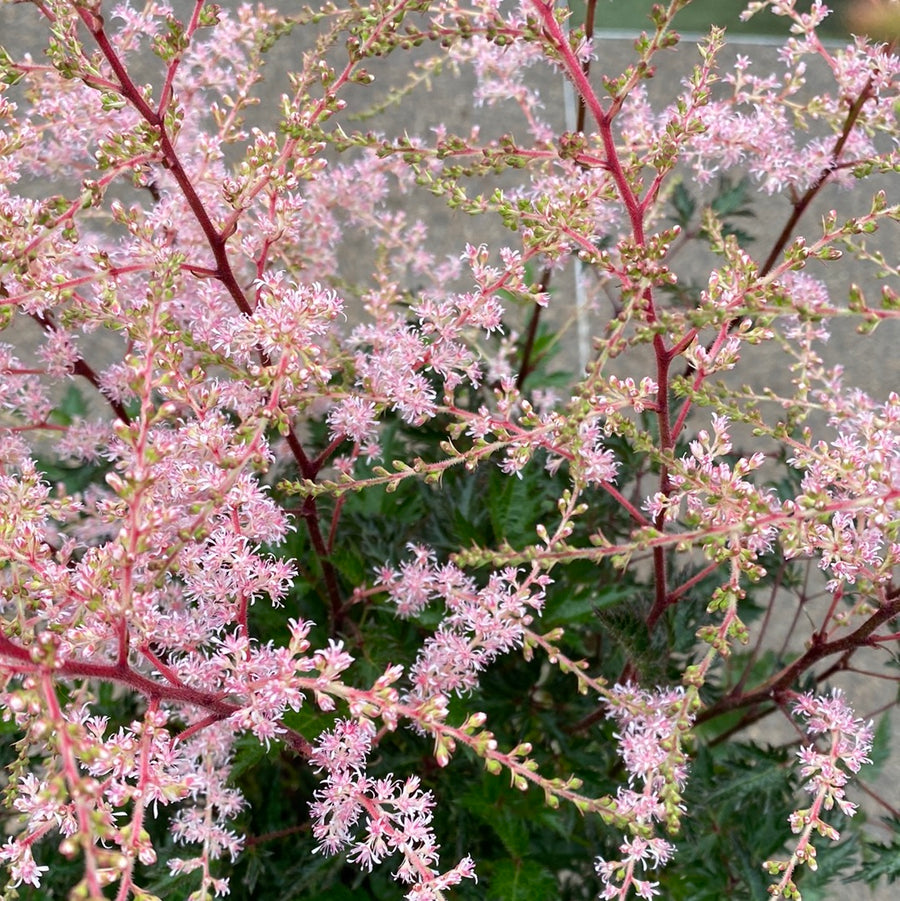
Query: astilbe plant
[[288, 498]]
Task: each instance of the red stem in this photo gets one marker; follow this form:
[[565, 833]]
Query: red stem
[[117, 673], [216, 239], [801, 205], [309, 512], [781, 682]]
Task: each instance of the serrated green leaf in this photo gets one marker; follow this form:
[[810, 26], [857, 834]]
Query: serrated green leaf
[[833, 863], [249, 752], [511, 507], [882, 861], [732, 199], [684, 203]]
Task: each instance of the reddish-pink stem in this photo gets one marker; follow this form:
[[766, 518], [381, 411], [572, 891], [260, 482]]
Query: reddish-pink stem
[[216, 239], [155, 691]]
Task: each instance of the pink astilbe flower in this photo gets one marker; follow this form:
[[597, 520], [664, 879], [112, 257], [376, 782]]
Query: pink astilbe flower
[[826, 772], [501, 69], [377, 818], [701, 475], [59, 353], [129, 772], [354, 418], [753, 126], [415, 583], [192, 265], [289, 324], [625, 393], [593, 463], [215, 803], [389, 364], [480, 625], [810, 298], [649, 725], [405, 366], [22, 396], [857, 477], [16, 853]]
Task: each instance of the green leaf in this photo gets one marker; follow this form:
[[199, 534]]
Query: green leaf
[[732, 199], [249, 752], [71, 407], [511, 508], [350, 564], [881, 747], [8, 71], [581, 606], [684, 203], [882, 861], [512, 831], [833, 865], [521, 881]]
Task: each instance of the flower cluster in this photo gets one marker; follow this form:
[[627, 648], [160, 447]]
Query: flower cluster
[[857, 478], [245, 363], [395, 816], [649, 725], [826, 772], [480, 625]]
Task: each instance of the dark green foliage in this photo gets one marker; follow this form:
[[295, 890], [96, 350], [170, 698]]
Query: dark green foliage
[[738, 798], [882, 859], [731, 200]]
